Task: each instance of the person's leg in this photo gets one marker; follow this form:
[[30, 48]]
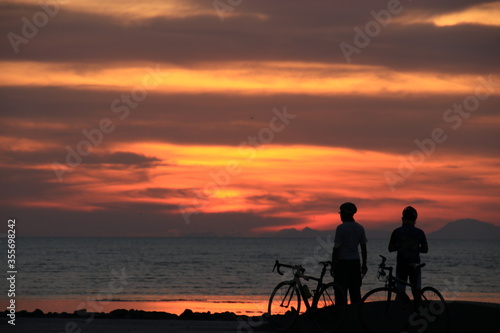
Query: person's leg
[[415, 276], [342, 279], [402, 274], [355, 281]]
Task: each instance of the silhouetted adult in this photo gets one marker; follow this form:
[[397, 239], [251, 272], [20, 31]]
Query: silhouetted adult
[[409, 241], [346, 267]]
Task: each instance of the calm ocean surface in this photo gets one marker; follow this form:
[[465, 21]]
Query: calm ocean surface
[[170, 269]]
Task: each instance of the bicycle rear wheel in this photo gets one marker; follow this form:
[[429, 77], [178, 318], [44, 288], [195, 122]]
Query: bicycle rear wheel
[[331, 308], [384, 311], [284, 305], [432, 312]]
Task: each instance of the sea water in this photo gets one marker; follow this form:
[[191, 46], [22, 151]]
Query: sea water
[[190, 269]]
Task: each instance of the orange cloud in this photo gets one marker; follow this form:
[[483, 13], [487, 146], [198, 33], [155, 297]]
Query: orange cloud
[[242, 78], [483, 14]]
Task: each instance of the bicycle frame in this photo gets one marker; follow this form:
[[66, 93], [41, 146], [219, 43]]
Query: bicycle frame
[[389, 309], [391, 280], [298, 275], [321, 304]]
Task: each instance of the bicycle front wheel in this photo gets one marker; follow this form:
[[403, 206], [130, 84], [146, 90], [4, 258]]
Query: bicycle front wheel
[[331, 308], [432, 312], [284, 305], [383, 310]]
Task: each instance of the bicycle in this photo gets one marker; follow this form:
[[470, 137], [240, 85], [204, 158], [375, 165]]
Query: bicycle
[[388, 310], [327, 308]]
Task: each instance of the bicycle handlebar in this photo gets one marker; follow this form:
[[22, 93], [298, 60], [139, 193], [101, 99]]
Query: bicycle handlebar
[[325, 263], [382, 267], [297, 268]]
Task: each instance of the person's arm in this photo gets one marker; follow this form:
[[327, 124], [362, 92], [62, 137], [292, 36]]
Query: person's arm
[[424, 248], [334, 254], [337, 241], [334, 258], [393, 246], [364, 268]]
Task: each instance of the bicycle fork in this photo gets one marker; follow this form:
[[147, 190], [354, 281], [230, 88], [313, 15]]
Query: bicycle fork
[[288, 297]]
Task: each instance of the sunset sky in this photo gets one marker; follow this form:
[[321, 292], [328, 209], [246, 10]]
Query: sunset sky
[[237, 118]]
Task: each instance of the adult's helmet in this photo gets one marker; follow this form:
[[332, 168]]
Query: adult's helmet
[[348, 208], [410, 213]]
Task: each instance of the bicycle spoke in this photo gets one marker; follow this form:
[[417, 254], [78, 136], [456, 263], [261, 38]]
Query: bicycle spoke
[[432, 313], [284, 306], [381, 314], [331, 308]]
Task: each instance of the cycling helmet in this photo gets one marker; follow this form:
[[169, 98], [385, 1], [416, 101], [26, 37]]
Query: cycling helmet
[[348, 208], [410, 213]]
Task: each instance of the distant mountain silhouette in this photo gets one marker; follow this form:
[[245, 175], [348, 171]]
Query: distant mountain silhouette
[[460, 229], [467, 229], [304, 233], [313, 233], [200, 235]]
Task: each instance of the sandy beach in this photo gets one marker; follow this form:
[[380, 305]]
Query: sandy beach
[[465, 317]]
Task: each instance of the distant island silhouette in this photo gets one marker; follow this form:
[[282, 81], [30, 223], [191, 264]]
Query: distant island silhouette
[[460, 229], [467, 229]]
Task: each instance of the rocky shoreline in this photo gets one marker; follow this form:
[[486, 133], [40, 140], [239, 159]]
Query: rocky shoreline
[[465, 317], [132, 314]]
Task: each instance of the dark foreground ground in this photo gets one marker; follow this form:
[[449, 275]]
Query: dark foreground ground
[[466, 317]]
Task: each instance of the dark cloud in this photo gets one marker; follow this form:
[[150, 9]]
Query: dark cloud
[[319, 204], [122, 159], [344, 12], [26, 185], [120, 220], [267, 199], [119, 159], [387, 123], [29, 184], [427, 48], [302, 32], [160, 193], [236, 223], [137, 207], [100, 223]]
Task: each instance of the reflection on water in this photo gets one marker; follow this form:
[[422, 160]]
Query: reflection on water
[[250, 306]]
